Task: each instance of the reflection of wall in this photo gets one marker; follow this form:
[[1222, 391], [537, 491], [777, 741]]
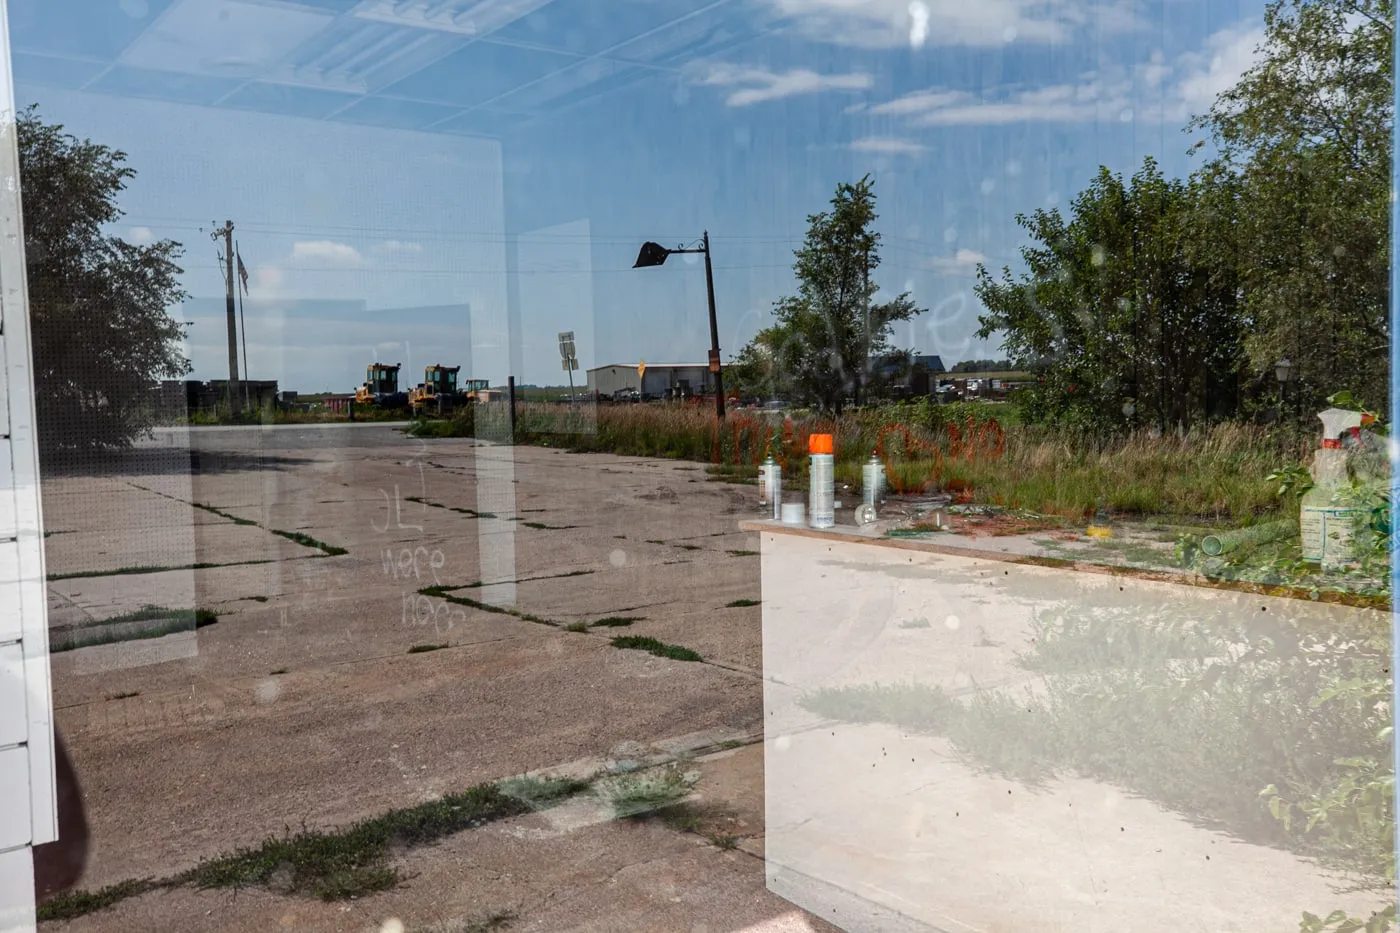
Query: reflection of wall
[[880, 817]]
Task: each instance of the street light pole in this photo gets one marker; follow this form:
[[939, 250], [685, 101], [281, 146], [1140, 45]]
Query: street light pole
[[654, 254], [714, 332]]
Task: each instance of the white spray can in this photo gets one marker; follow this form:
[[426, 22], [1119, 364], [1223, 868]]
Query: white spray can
[[821, 482], [872, 482]]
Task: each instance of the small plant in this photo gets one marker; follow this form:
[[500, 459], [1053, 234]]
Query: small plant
[[723, 841], [618, 621], [741, 603], [744, 553], [123, 696], [541, 793], [639, 795], [422, 649], [306, 540], [576, 627], [75, 904], [920, 622], [280, 670], [652, 646]]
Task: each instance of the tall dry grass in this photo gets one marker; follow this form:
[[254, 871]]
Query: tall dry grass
[[1214, 474]]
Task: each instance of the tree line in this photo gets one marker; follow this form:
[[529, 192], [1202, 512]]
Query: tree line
[[1161, 302]]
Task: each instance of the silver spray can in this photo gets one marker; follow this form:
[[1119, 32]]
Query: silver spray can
[[821, 479], [775, 489], [873, 481], [765, 481]]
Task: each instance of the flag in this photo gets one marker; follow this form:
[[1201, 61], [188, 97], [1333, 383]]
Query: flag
[[242, 272]]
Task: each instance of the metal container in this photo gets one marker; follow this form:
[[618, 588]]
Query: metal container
[[821, 482], [775, 489], [873, 481], [793, 513]]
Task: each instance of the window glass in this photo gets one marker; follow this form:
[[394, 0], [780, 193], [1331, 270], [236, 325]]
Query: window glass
[[710, 465]]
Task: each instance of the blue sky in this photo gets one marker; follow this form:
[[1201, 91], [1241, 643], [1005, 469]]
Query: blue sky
[[456, 181]]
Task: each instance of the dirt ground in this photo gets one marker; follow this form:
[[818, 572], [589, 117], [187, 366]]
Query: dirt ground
[[303, 706]]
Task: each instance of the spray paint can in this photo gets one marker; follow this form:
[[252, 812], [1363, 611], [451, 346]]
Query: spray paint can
[[821, 482], [872, 482], [775, 489], [765, 480]]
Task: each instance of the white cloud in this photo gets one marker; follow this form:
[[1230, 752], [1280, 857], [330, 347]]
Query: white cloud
[[1155, 90], [326, 251], [141, 236], [892, 23], [1228, 54], [888, 145], [755, 85], [398, 247], [963, 262]]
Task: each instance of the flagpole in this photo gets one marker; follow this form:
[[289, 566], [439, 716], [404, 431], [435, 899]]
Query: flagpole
[[241, 325]]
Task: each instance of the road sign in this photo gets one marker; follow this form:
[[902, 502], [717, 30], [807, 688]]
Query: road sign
[[641, 369], [570, 365], [566, 345], [714, 361]]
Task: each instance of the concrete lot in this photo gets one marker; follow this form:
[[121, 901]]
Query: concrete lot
[[303, 707]]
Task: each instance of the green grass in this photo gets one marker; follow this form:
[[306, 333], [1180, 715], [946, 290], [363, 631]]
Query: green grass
[[687, 547], [723, 841], [553, 576], [257, 599], [744, 553], [76, 904], [920, 622], [618, 621], [544, 527], [151, 568], [222, 514], [445, 593], [646, 793], [541, 793], [576, 627], [352, 862], [307, 541], [742, 603], [424, 649], [103, 632], [652, 646], [470, 513]]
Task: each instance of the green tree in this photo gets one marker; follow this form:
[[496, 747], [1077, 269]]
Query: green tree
[[98, 304], [823, 336], [1123, 319], [1306, 137]]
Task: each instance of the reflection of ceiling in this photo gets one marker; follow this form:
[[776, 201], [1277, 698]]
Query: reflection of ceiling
[[481, 67]]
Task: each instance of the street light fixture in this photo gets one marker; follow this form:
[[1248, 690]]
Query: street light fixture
[[654, 254], [1283, 371]]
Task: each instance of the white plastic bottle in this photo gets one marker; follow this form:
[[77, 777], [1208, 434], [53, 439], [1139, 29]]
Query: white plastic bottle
[[1324, 524], [821, 482]]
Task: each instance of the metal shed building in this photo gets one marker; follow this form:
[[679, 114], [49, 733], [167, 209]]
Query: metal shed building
[[660, 379]]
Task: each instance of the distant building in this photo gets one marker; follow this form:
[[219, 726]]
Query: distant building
[[930, 363], [179, 398], [659, 380]]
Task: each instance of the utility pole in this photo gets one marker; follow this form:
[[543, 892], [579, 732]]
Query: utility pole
[[226, 232]]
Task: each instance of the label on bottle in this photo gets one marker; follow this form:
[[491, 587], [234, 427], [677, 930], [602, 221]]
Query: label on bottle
[[1337, 529], [1310, 532]]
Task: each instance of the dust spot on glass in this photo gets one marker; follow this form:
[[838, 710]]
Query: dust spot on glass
[[1127, 115], [1052, 198], [1009, 34], [743, 138], [618, 558], [268, 690], [953, 622], [1013, 168], [392, 925], [136, 9], [783, 743], [950, 234], [988, 185]]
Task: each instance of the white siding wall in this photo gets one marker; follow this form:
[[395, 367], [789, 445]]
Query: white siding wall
[[28, 814]]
